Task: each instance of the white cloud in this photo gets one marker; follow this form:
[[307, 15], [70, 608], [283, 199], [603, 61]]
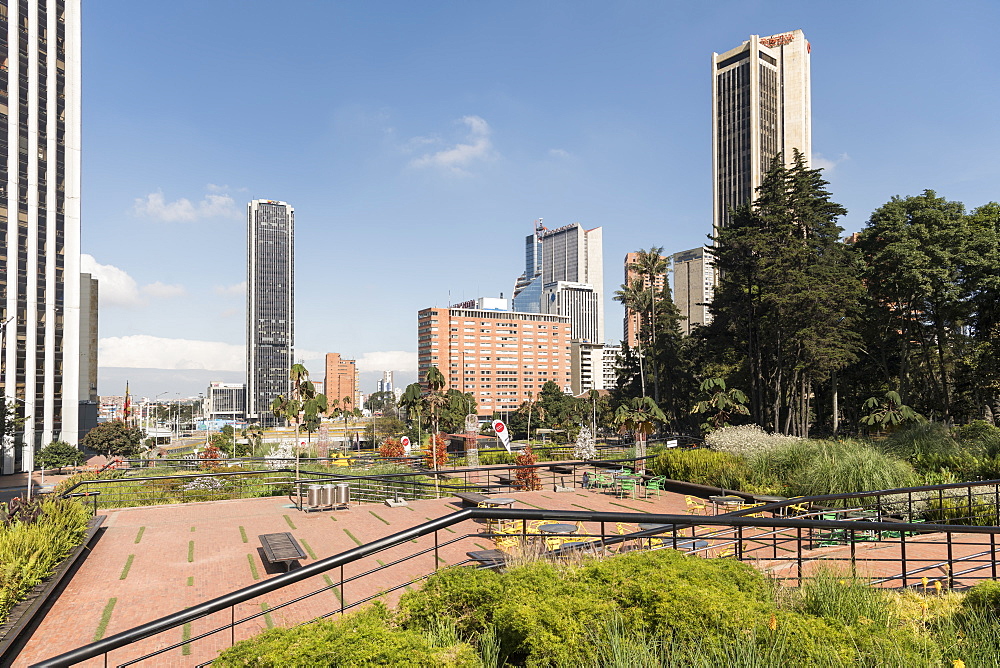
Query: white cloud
[[455, 159], [819, 161], [388, 360], [142, 351], [116, 288], [234, 290], [160, 290], [558, 153], [215, 204]]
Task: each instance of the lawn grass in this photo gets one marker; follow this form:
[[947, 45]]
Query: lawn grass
[[290, 522], [190, 581], [309, 549], [190, 551], [186, 635], [267, 616], [253, 567], [352, 537], [243, 535], [379, 517], [138, 536]]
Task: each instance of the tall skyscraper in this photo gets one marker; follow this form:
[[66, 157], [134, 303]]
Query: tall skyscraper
[[527, 296], [569, 254], [342, 380], [270, 305], [760, 107], [40, 222]]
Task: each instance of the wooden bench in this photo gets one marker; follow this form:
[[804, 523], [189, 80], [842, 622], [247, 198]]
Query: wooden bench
[[565, 470], [505, 480], [281, 547], [471, 498]]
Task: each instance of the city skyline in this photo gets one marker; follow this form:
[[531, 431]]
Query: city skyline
[[417, 169]]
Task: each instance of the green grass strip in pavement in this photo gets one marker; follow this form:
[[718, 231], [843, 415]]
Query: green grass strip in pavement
[[431, 519], [333, 518], [380, 563], [190, 581], [412, 510], [192, 529], [532, 505], [102, 626], [243, 535], [336, 590], [138, 536], [481, 547], [308, 549], [186, 635], [190, 551], [128, 566], [442, 560], [352, 537], [253, 567], [622, 505], [577, 505], [379, 518], [544, 497], [267, 616], [290, 522]]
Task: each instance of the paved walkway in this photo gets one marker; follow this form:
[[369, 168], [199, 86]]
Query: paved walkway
[[156, 560]]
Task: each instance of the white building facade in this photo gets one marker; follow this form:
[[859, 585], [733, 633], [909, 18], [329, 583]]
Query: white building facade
[[40, 222]]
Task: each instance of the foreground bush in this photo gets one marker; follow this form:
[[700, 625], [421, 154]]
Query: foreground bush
[[644, 609], [34, 538]]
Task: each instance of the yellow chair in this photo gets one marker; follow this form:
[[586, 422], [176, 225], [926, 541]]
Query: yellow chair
[[693, 507], [748, 506]]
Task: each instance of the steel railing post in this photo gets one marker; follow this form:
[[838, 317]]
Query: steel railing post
[[342, 598], [232, 625], [435, 550], [854, 548], [993, 554], [798, 553], [902, 554], [951, 561]]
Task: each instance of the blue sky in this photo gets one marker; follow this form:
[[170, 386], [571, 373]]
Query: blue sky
[[418, 142]]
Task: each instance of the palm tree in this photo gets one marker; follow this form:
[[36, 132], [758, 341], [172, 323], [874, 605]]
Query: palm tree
[[639, 416], [633, 296], [411, 402], [594, 395], [435, 398], [650, 265], [303, 404]]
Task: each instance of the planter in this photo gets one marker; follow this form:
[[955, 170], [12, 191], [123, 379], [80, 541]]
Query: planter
[[25, 617]]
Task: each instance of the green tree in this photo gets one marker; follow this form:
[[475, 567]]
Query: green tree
[[412, 402], [916, 251], [788, 294], [456, 406], [114, 439], [435, 399], [382, 401], [721, 404], [303, 405], [888, 412], [58, 454], [639, 416], [11, 420], [650, 265]]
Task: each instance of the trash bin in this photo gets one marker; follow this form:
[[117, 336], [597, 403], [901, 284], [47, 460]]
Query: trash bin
[[329, 495], [314, 496], [343, 494]]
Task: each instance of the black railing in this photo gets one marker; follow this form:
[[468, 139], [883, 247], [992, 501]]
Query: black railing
[[788, 547]]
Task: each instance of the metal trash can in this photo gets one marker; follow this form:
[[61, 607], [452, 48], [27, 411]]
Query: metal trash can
[[343, 494], [329, 495], [314, 496]]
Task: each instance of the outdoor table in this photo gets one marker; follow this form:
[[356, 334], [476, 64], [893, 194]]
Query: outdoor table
[[647, 526], [557, 528], [765, 498], [498, 501], [718, 501]]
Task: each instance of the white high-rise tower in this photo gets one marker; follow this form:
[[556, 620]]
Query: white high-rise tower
[[39, 222]]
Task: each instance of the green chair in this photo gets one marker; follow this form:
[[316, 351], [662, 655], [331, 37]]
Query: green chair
[[656, 484], [626, 486]]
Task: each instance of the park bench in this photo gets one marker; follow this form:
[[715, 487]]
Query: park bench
[[562, 469], [471, 498], [506, 480], [487, 558], [281, 547]]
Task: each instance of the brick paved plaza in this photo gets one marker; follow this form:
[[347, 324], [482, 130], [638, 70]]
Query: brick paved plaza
[[152, 561]]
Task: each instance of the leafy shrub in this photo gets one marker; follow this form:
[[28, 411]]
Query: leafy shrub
[[746, 440], [931, 448], [984, 597], [366, 638], [704, 467]]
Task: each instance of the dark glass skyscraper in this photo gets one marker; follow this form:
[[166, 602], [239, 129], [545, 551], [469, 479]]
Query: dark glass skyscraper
[[270, 305]]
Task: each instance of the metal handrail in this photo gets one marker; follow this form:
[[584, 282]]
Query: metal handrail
[[231, 599]]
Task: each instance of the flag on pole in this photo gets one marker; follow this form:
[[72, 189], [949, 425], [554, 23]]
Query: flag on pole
[[127, 408]]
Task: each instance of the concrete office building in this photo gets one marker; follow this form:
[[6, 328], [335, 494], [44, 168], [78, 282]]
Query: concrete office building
[[633, 322], [342, 380], [270, 305], [499, 356], [587, 363], [611, 365], [89, 403], [580, 302], [694, 287], [225, 401], [760, 107], [575, 255], [40, 223]]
